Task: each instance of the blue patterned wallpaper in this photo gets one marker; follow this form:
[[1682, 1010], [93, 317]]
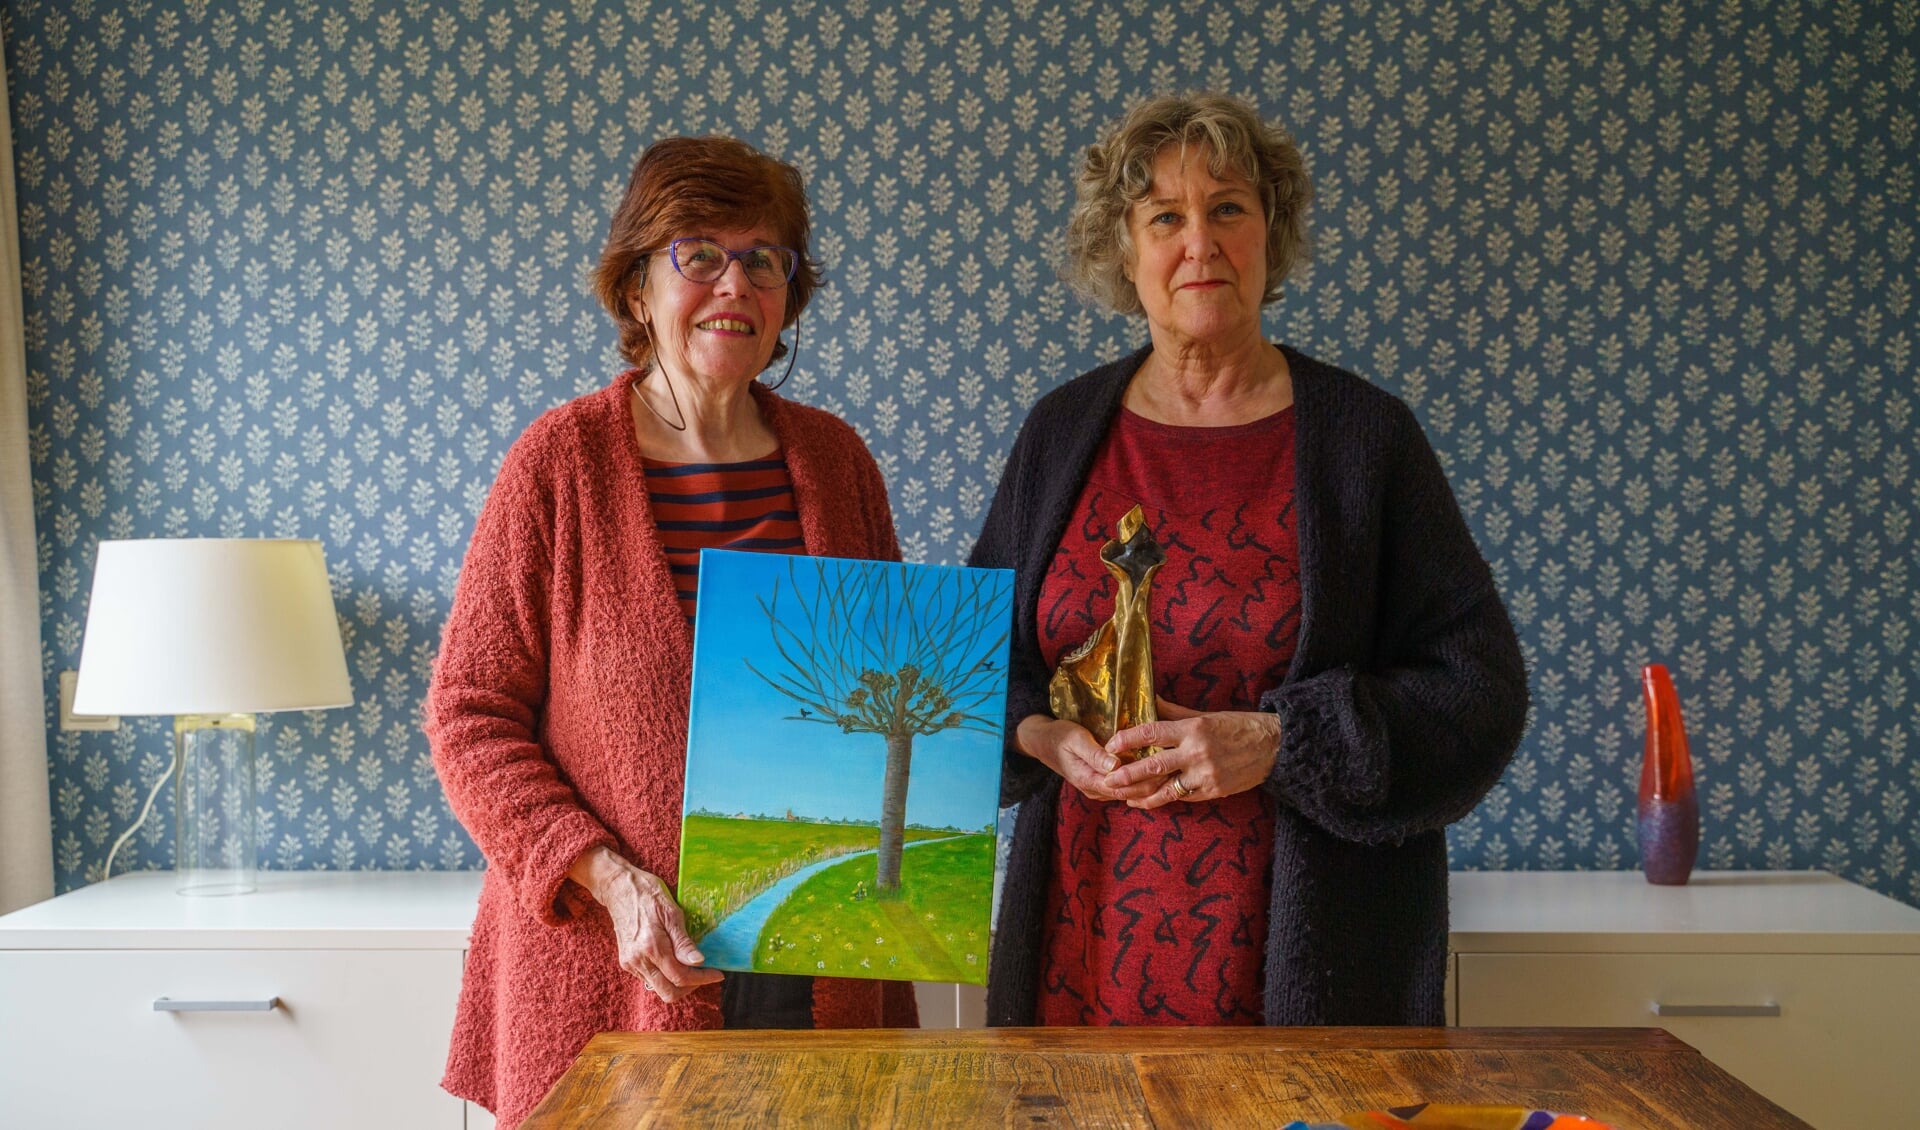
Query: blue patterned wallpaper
[[1645, 271]]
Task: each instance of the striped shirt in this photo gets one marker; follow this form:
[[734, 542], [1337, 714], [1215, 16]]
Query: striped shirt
[[721, 506]]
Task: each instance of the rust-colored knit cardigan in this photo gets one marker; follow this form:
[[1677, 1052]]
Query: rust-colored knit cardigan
[[558, 721]]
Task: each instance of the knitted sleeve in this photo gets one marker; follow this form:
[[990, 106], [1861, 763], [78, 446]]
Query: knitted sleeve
[[1000, 546], [490, 685], [1410, 741]]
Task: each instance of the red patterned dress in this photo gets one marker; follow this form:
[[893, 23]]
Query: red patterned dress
[[1160, 917]]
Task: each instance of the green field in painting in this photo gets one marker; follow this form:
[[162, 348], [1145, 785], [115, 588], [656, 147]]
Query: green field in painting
[[936, 930], [725, 861]]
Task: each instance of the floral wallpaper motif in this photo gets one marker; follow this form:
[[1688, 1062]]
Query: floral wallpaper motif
[[1645, 270]]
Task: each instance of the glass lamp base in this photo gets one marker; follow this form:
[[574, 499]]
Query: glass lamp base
[[199, 883], [214, 847]]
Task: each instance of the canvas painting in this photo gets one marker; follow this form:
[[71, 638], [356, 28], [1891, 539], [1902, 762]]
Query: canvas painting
[[843, 766]]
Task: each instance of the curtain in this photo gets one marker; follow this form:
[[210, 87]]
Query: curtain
[[26, 835]]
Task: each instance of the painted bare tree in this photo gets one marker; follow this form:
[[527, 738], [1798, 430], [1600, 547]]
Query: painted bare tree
[[900, 652]]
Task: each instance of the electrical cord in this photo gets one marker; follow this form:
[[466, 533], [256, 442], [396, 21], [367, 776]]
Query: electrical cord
[[107, 871]]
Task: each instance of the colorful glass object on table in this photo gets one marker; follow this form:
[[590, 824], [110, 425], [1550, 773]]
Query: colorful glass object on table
[[1669, 813], [1455, 1116]]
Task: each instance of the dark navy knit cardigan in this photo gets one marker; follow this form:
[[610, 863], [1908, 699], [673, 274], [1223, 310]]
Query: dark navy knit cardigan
[[1403, 704]]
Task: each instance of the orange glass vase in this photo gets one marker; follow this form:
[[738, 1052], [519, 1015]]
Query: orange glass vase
[[1669, 813]]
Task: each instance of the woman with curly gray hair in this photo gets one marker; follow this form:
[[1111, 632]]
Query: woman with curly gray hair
[[1336, 676]]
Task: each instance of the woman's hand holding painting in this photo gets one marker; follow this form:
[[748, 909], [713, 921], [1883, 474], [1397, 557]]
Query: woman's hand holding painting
[[647, 923]]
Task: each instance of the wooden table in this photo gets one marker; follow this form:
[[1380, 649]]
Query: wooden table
[[1125, 1077]]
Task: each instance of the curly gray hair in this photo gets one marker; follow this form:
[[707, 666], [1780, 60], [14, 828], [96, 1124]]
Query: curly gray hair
[[1119, 172]]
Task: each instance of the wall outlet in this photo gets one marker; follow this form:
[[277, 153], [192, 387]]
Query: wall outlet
[[71, 721]]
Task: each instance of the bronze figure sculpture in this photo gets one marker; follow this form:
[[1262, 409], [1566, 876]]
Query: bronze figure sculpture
[[1106, 684]]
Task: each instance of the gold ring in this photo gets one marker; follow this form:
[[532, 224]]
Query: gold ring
[[1179, 789]]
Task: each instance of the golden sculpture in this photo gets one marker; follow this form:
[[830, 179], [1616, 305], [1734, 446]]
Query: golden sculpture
[[1106, 684]]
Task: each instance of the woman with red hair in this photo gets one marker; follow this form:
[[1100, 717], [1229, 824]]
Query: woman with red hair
[[558, 708]]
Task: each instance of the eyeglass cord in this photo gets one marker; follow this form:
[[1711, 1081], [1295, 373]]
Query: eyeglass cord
[[792, 356], [677, 410]]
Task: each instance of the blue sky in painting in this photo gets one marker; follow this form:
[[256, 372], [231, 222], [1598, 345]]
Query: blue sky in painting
[[747, 754]]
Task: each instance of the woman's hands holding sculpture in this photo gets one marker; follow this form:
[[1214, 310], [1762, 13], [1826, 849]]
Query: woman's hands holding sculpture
[[647, 923], [1202, 756]]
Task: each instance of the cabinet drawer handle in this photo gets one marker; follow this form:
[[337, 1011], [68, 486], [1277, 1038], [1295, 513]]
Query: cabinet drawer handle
[[168, 1004], [1768, 1009]]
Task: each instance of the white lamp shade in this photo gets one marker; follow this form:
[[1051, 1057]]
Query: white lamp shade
[[210, 626]]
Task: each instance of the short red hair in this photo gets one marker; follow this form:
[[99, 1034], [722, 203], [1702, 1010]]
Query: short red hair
[[695, 186]]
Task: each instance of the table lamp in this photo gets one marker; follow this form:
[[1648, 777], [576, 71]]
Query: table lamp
[[211, 631]]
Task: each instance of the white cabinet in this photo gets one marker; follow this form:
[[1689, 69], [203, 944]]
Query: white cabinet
[[339, 993], [1802, 985], [944, 1004], [362, 969]]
